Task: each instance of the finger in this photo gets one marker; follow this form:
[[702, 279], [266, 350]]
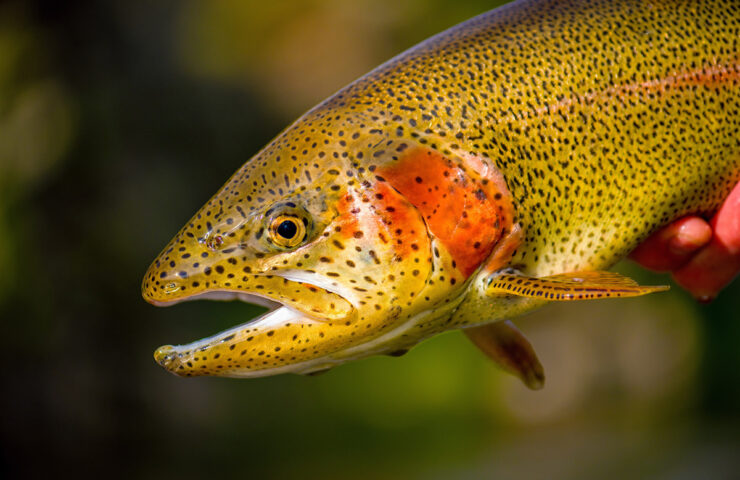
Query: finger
[[671, 247], [717, 264]]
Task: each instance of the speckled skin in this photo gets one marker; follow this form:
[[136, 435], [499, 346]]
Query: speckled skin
[[585, 124]]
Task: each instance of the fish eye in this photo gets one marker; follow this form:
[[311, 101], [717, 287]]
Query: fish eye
[[287, 231]]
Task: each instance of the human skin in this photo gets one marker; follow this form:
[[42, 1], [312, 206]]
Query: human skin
[[702, 256]]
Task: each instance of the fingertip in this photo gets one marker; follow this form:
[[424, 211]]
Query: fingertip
[[727, 222], [671, 247], [689, 235], [708, 272]]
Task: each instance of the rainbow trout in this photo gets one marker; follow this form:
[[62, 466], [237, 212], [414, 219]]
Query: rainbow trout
[[496, 167]]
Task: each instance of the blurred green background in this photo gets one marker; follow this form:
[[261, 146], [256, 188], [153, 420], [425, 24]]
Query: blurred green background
[[118, 120]]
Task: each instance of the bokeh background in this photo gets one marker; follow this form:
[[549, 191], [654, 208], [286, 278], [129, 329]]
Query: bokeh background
[[118, 119]]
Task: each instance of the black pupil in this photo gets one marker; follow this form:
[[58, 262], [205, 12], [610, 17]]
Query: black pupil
[[287, 229]]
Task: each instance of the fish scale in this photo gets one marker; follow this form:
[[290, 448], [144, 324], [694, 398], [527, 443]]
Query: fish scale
[[536, 144]]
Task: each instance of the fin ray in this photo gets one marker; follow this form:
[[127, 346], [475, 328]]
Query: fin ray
[[590, 285]]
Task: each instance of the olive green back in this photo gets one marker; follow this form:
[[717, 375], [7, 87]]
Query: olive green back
[[607, 118]]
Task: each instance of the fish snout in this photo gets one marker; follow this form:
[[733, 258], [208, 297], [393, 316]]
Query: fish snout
[[165, 282], [161, 291]]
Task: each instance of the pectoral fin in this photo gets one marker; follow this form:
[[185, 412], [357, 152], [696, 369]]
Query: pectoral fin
[[569, 286], [510, 349]]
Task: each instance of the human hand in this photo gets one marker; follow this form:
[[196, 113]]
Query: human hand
[[703, 256]]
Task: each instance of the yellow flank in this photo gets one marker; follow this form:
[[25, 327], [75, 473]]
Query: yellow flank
[[533, 145]]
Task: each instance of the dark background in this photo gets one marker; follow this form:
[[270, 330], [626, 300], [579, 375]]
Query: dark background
[[118, 120]]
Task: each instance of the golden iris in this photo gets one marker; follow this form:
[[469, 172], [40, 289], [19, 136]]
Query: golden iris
[[287, 231]]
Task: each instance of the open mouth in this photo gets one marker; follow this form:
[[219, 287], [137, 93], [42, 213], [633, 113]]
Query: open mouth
[[288, 302]]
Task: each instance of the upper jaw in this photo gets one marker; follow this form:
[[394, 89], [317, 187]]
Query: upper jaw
[[220, 295], [270, 291]]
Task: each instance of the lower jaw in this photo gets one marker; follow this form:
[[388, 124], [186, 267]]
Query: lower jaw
[[174, 357]]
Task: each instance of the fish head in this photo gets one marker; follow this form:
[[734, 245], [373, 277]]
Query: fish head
[[311, 229]]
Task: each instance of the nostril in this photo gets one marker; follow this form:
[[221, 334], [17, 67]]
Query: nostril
[[215, 242], [171, 287]]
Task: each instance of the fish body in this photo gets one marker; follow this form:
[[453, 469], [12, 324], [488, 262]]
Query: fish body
[[493, 168]]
